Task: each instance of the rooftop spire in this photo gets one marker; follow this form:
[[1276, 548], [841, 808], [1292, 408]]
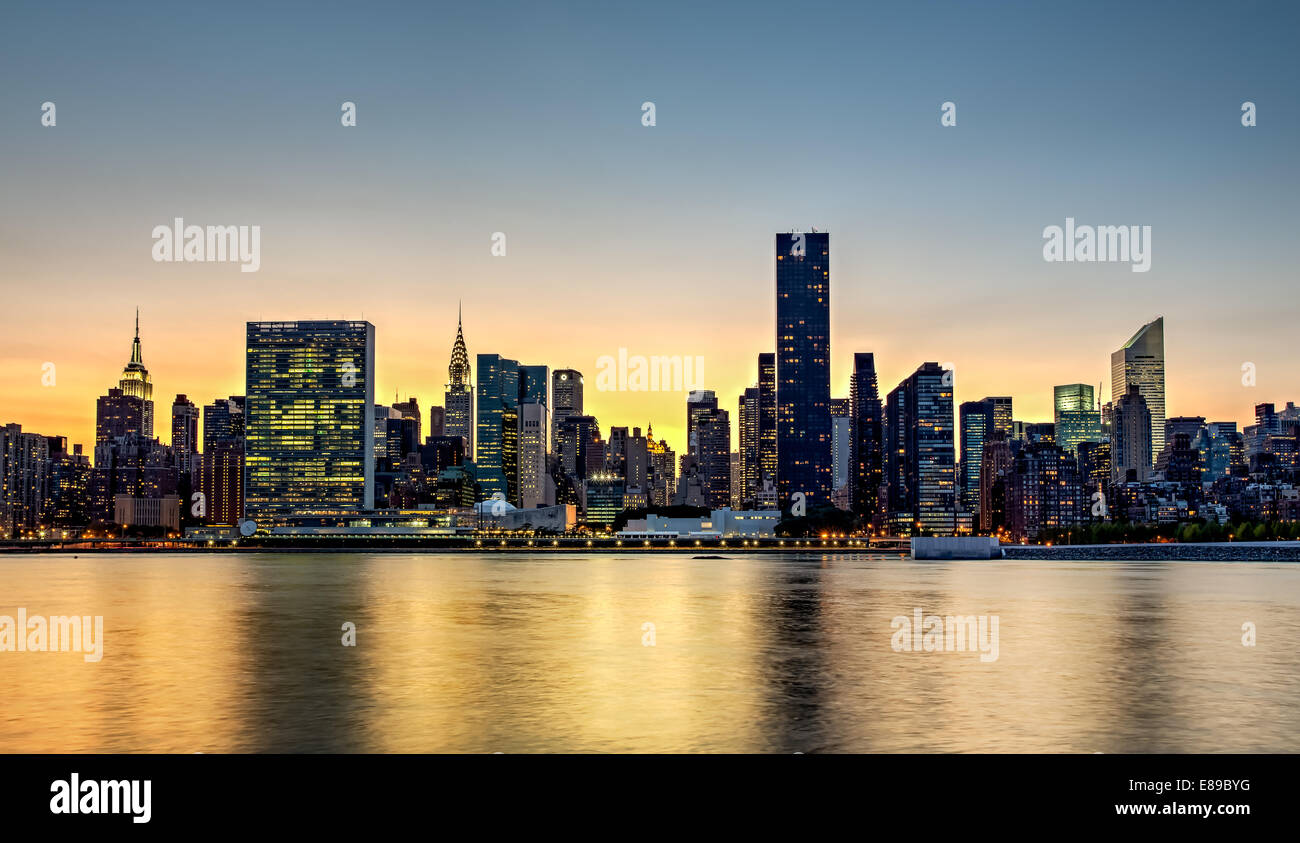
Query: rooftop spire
[[136, 356], [458, 371]]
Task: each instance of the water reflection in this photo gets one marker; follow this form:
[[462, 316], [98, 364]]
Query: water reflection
[[475, 653]]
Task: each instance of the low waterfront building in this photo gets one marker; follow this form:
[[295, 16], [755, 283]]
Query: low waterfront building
[[723, 523]]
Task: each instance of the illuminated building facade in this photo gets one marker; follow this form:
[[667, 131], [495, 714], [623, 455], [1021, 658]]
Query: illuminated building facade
[[1141, 363], [458, 400], [920, 455], [309, 407], [497, 432], [136, 381]]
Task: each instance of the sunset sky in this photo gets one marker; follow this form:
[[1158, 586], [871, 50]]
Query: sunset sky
[[526, 119]]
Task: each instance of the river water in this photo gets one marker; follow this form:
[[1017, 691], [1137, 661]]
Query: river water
[[632, 652]]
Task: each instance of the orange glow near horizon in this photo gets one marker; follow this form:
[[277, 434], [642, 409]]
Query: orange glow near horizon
[[198, 351]]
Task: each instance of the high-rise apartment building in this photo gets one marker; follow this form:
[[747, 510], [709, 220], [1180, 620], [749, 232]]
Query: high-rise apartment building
[[867, 455], [803, 367], [185, 433], [920, 455], [767, 461]]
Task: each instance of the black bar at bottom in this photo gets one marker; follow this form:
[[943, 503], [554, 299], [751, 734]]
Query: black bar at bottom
[[677, 793]]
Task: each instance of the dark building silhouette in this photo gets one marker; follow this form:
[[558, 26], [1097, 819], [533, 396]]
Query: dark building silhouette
[[803, 367], [867, 457]]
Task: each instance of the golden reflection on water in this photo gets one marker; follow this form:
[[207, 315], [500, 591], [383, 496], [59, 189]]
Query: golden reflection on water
[[548, 653]]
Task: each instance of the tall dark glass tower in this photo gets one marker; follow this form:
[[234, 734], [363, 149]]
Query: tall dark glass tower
[[496, 434], [976, 420], [803, 367], [866, 466]]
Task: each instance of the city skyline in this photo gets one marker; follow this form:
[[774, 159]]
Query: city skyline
[[597, 401], [626, 235]]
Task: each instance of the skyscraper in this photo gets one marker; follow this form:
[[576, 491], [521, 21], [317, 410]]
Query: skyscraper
[[566, 395], [437, 422], [663, 469], [223, 420], [24, 479], [980, 421], [767, 461], [410, 410], [135, 381], [1072, 396], [995, 464], [920, 455], [1131, 437], [803, 367], [713, 455], [579, 442], [458, 400], [749, 482], [185, 433], [535, 487], [534, 437], [841, 443], [1076, 415], [867, 434], [698, 403], [117, 414], [309, 406], [1044, 491], [976, 423], [221, 471], [496, 433], [1141, 362]]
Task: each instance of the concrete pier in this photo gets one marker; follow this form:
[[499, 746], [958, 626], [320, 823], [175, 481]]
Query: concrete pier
[[956, 547]]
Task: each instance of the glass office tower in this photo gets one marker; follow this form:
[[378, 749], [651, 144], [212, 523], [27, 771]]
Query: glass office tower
[[803, 367], [308, 432], [1141, 362], [981, 421], [1076, 415], [976, 420], [496, 433]]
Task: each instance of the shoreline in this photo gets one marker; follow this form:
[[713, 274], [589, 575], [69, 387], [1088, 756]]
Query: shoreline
[[1279, 551]]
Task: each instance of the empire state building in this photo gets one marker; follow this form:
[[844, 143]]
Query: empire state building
[[135, 381]]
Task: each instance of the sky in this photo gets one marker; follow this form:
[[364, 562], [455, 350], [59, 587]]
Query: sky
[[526, 119]]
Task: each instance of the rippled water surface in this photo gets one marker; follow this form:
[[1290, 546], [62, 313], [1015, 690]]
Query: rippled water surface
[[515, 653]]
